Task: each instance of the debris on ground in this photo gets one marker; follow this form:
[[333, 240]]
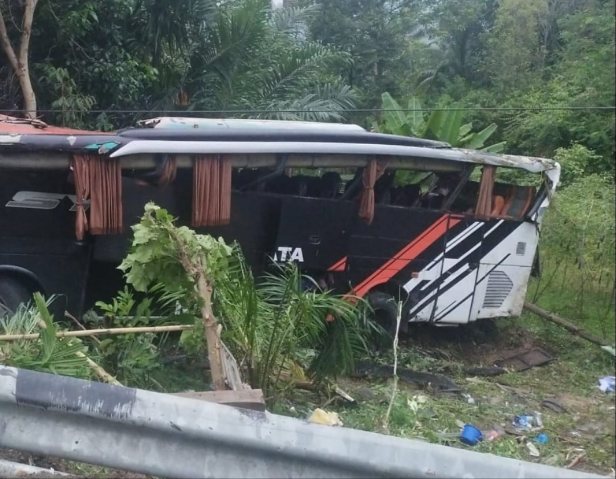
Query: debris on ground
[[609, 349], [494, 434], [532, 449], [552, 405], [325, 418], [435, 382], [528, 422], [471, 435], [607, 384], [525, 360]]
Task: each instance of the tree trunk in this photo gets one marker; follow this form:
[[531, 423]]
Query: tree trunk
[[19, 60], [214, 347]]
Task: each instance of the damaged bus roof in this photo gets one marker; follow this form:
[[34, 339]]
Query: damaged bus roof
[[304, 143]]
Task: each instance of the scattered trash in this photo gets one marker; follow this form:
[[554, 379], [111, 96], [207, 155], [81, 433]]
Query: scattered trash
[[553, 406], [470, 435], [319, 416], [469, 398], [459, 423], [523, 421], [528, 422], [494, 434], [532, 449], [542, 438], [609, 349], [526, 360], [343, 394], [607, 384]]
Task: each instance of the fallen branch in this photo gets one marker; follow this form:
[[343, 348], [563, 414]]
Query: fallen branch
[[569, 326], [576, 460], [100, 332]]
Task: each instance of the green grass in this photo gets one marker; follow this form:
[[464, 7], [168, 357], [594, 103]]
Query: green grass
[[570, 379]]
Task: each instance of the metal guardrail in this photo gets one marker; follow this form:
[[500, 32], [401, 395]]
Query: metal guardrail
[[170, 436]]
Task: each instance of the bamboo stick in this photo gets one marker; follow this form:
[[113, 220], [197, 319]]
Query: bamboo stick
[[99, 332], [569, 326], [98, 370]]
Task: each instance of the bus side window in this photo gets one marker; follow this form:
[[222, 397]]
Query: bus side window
[[504, 199]]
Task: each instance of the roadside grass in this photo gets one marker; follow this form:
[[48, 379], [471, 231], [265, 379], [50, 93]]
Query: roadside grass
[[587, 427], [582, 296]]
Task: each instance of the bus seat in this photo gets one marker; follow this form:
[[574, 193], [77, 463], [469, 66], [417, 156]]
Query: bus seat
[[329, 184]]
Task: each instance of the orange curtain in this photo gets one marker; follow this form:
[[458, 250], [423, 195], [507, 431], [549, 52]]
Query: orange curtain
[[211, 191], [168, 171], [106, 193], [99, 179], [486, 187], [81, 173], [372, 172]]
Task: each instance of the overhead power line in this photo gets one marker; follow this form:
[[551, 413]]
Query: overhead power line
[[352, 110]]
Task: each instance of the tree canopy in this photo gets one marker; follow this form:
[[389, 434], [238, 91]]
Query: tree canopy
[[537, 69]]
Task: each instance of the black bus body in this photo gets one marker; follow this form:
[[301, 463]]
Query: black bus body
[[295, 198]]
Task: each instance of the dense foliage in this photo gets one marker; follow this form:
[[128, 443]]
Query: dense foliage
[[535, 76]]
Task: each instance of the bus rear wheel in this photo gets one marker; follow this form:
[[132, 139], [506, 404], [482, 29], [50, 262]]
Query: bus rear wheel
[[12, 294], [385, 309]]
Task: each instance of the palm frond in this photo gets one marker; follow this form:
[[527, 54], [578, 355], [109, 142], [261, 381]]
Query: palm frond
[[327, 103], [294, 20]]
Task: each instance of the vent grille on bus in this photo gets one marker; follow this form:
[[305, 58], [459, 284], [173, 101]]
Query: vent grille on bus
[[499, 286]]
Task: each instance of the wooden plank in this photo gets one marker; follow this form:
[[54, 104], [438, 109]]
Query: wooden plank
[[242, 398]]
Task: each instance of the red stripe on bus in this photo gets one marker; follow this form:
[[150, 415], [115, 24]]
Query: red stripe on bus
[[339, 265], [407, 254]]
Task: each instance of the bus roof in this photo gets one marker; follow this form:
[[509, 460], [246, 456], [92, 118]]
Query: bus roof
[[189, 136], [226, 123]]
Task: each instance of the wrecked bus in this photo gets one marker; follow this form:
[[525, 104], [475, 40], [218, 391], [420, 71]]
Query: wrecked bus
[[451, 232]]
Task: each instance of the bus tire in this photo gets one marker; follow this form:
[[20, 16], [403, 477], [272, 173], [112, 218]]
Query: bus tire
[[12, 293], [385, 311]]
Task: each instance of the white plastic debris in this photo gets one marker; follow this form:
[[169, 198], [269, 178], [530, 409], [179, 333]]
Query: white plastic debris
[[607, 384], [325, 418], [532, 449]]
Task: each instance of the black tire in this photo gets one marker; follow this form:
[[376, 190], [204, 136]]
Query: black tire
[[12, 293], [385, 311]]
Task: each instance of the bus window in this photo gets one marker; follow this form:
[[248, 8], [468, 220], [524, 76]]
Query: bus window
[[505, 194]]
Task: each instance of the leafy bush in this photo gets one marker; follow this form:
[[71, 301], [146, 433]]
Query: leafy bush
[[47, 353], [276, 328], [577, 255], [131, 358], [576, 161]]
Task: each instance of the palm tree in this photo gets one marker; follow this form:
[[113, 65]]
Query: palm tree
[[251, 58]]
